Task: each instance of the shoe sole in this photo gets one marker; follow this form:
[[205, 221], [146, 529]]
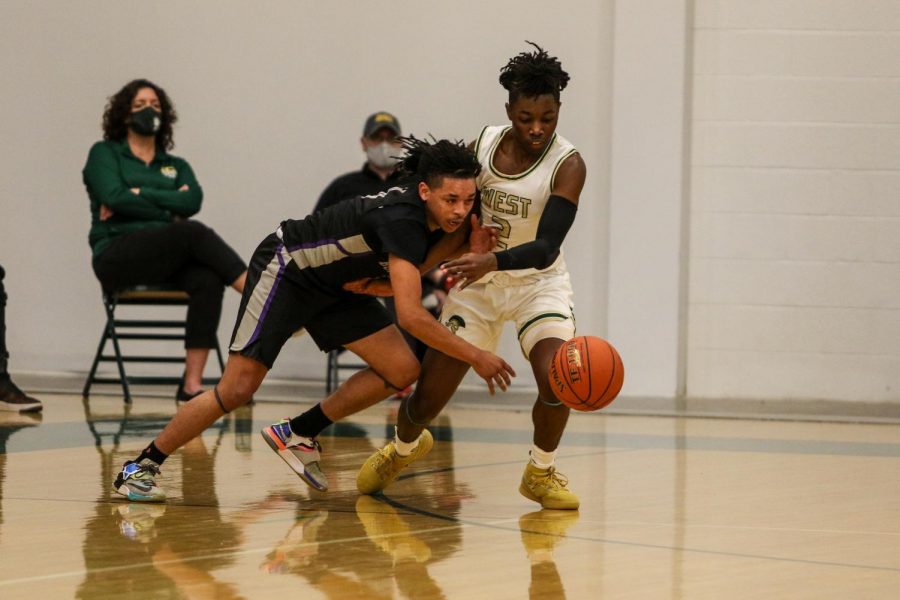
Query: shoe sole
[[292, 461], [523, 489]]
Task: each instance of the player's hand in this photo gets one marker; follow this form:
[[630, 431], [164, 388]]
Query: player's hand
[[494, 370], [368, 286], [483, 238], [105, 212], [470, 267]]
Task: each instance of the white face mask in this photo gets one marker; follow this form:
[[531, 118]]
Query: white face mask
[[384, 155]]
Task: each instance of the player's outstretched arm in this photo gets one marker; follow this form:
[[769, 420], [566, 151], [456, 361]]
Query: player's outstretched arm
[[555, 222], [481, 240], [412, 317]]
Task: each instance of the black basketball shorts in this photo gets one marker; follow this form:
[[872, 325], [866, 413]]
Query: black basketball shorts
[[277, 302]]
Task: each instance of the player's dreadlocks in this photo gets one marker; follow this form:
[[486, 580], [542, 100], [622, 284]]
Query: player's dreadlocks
[[533, 74], [431, 161]]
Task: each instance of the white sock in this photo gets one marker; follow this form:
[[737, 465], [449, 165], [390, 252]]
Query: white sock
[[542, 459], [404, 448]]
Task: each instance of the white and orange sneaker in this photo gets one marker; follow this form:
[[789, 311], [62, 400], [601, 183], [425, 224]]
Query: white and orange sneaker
[[300, 453]]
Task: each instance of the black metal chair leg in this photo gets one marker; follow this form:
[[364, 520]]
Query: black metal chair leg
[[110, 311], [93, 372]]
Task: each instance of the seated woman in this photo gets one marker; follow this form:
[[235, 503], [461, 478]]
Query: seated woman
[[142, 199]]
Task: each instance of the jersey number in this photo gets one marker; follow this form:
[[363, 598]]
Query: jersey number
[[505, 230]]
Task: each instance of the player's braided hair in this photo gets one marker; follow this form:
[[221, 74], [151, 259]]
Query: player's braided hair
[[533, 74], [431, 161]]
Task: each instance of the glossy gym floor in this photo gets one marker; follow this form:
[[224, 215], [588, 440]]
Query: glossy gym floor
[[672, 507]]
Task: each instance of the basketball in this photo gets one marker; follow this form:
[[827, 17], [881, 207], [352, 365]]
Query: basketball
[[586, 373]]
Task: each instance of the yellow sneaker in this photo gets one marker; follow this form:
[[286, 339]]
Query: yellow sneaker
[[548, 488], [385, 465], [387, 530], [542, 530]]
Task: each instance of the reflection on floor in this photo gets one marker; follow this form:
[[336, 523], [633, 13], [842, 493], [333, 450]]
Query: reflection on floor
[[672, 507]]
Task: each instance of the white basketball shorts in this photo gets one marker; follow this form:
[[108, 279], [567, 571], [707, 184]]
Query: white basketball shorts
[[541, 306]]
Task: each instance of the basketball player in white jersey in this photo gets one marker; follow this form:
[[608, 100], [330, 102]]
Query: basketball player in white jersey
[[530, 184]]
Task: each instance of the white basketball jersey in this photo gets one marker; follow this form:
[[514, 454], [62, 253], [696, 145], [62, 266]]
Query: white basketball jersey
[[517, 201]]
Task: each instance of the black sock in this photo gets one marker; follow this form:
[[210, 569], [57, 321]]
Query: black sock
[[153, 453], [311, 423]]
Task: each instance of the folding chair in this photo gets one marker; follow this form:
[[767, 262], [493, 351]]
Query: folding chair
[[116, 330]]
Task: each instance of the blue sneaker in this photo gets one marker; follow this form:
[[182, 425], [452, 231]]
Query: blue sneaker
[[136, 482], [300, 453]]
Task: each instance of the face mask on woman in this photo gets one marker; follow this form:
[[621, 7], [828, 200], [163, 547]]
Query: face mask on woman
[[383, 155], [146, 121]]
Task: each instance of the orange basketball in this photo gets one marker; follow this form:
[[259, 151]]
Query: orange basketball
[[586, 373]]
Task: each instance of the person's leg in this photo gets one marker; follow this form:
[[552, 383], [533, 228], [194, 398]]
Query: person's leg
[[415, 345], [240, 381], [206, 290], [146, 257], [11, 397], [541, 482], [472, 315], [362, 325], [544, 321], [204, 246], [391, 365], [549, 415], [4, 353], [249, 361], [153, 256], [194, 364], [194, 258], [438, 380]]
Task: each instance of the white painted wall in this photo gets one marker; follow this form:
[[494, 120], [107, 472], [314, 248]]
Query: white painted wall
[[787, 197], [272, 97], [795, 209], [646, 274]]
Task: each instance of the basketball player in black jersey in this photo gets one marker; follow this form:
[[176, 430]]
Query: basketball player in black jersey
[[304, 276]]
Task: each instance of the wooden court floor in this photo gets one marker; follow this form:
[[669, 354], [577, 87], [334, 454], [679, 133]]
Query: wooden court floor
[[671, 508]]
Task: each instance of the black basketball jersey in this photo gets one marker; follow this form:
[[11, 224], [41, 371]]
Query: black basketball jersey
[[352, 239]]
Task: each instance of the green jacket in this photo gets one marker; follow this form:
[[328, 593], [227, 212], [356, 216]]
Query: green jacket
[[110, 173]]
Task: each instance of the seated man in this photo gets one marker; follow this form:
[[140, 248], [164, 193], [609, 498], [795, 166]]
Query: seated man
[[379, 172]]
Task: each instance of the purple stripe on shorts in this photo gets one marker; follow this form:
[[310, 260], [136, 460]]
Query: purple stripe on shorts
[[270, 297]]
